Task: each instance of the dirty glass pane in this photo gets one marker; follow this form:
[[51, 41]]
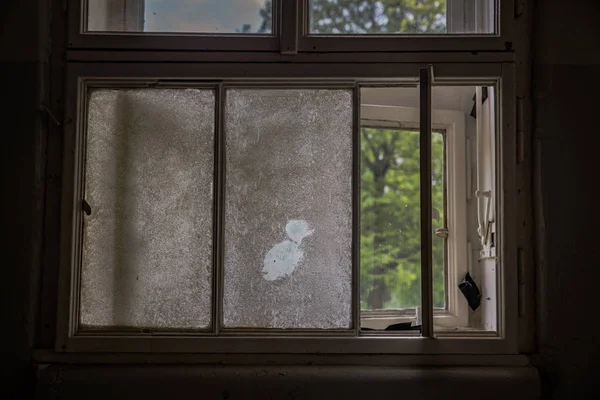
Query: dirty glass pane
[[388, 17], [181, 16], [147, 245], [288, 209]]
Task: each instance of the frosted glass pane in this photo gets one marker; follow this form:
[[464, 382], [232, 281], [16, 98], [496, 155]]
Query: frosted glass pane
[[288, 209], [147, 249]]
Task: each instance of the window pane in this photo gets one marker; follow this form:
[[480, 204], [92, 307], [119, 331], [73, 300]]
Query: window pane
[[401, 16], [147, 245], [192, 16], [438, 197], [390, 228], [390, 219], [288, 209], [474, 277]]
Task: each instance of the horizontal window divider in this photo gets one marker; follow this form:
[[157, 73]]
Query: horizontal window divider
[[123, 83], [157, 332], [372, 344], [166, 41], [43, 356], [286, 332], [150, 332], [337, 84], [405, 43], [258, 57], [376, 72]]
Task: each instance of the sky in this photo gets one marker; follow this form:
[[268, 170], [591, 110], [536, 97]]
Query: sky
[[206, 16]]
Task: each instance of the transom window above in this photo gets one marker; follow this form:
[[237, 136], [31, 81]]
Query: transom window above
[[215, 17], [320, 17]]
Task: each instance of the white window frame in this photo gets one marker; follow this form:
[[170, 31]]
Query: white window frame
[[291, 34], [81, 75], [452, 122], [458, 10]]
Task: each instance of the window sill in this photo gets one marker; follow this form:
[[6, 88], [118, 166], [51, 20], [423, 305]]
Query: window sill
[[298, 382]]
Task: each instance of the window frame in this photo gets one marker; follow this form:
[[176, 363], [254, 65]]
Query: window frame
[[291, 35], [79, 38], [500, 39], [501, 75], [453, 123]]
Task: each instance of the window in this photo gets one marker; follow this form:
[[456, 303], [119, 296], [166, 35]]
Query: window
[[180, 16], [401, 17], [390, 204], [292, 26], [326, 17], [284, 198]]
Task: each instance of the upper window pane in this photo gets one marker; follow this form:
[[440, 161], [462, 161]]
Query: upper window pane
[[180, 16], [377, 17]]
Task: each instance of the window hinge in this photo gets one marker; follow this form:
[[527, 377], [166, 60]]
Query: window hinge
[[520, 131]]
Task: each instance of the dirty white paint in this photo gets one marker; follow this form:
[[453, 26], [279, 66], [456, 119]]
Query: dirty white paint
[[283, 258]]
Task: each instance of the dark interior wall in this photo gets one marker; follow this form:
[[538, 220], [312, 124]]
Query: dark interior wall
[[22, 66], [566, 86]]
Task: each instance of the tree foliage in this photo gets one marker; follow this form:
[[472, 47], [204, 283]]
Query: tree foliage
[[378, 17], [370, 17], [390, 218]]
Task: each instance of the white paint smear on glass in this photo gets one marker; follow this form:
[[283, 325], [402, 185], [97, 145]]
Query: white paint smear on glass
[[283, 258]]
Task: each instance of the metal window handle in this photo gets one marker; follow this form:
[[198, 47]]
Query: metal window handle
[[85, 206], [441, 232]]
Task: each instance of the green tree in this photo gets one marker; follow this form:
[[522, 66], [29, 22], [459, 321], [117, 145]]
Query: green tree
[[390, 218], [374, 17], [383, 16]]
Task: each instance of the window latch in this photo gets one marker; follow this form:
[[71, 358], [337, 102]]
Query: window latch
[[85, 206], [441, 232]]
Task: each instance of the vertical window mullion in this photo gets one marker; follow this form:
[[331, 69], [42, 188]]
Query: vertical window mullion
[[425, 80], [219, 190], [356, 155], [288, 15]]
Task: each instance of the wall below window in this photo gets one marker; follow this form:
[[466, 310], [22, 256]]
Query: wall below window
[[304, 382]]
